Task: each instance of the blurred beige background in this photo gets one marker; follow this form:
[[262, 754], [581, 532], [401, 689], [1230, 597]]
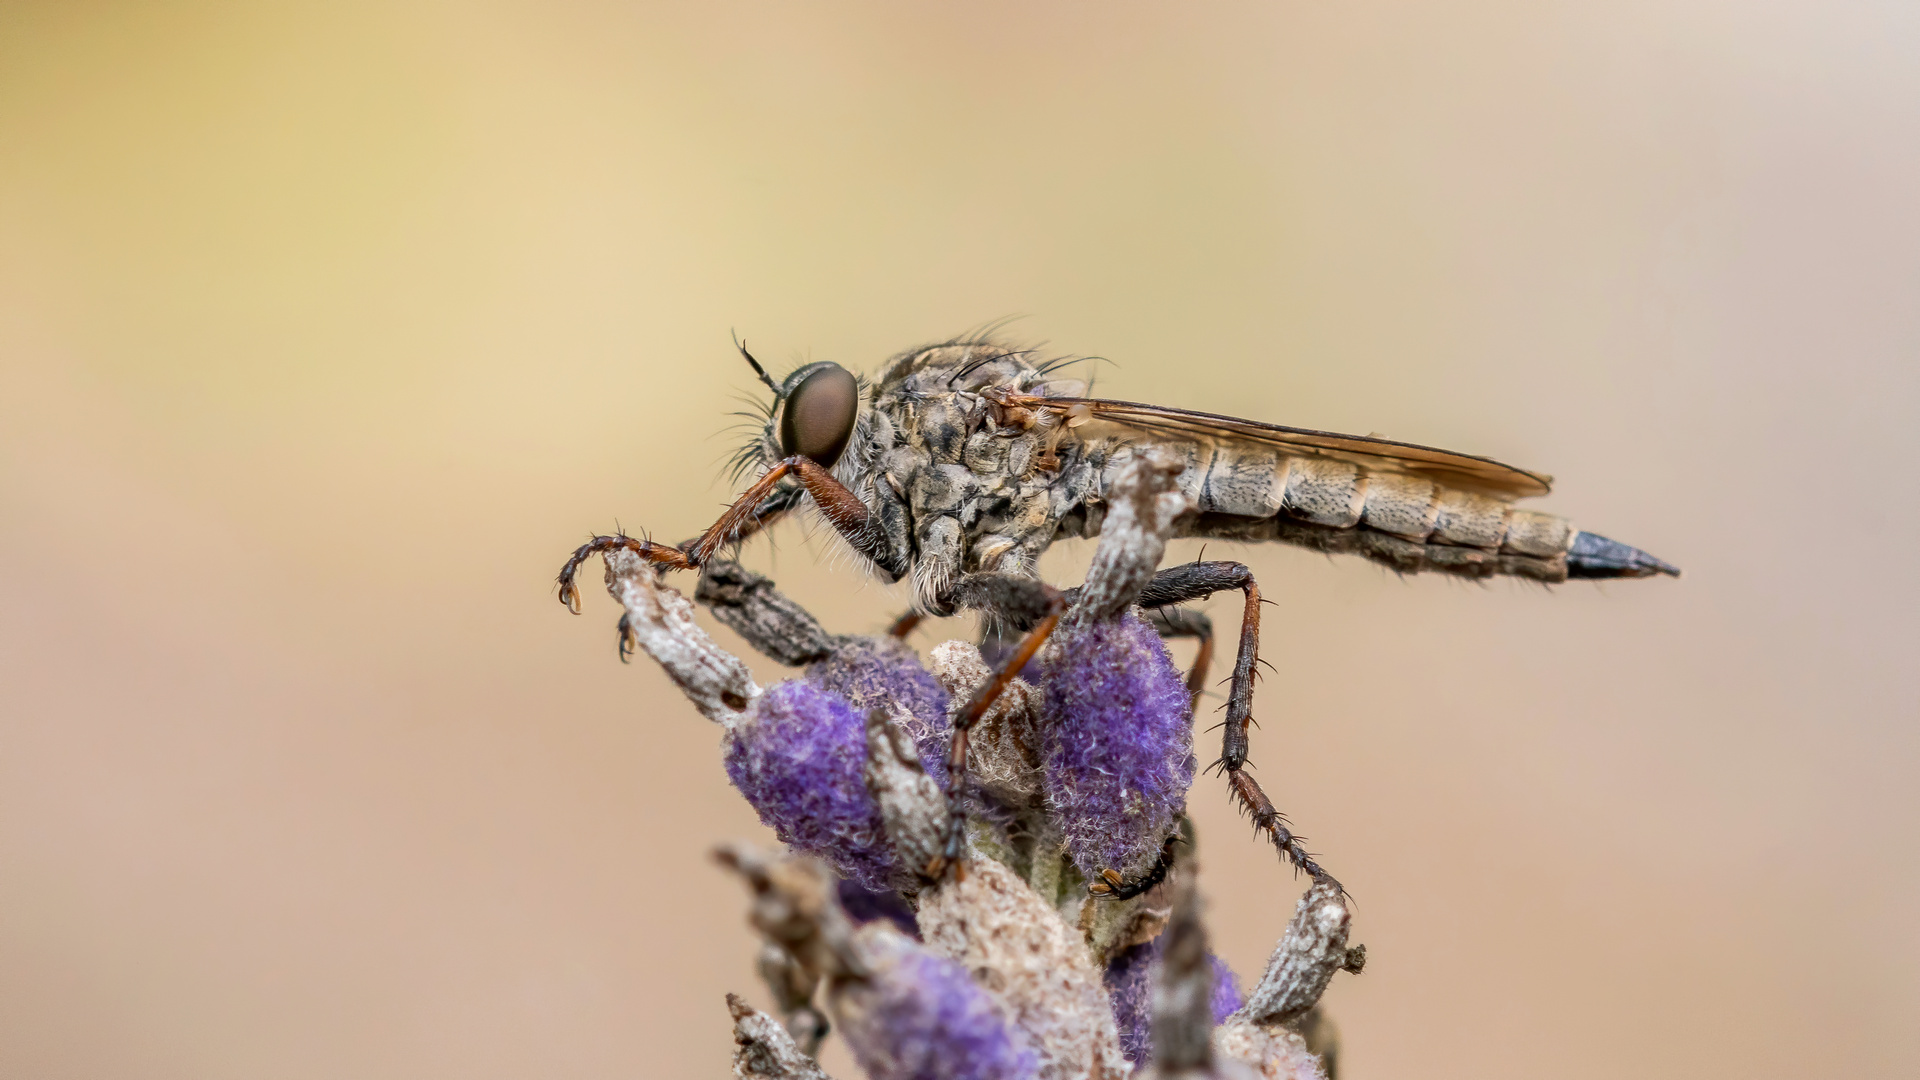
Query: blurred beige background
[[326, 330]]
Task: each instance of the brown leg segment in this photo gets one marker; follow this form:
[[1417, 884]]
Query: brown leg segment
[[954, 855], [1195, 581]]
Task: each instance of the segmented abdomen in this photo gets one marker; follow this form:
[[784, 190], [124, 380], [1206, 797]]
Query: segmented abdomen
[[1403, 521]]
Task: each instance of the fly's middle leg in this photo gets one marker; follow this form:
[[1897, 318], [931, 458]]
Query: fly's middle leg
[[1196, 581], [1144, 505], [1027, 602]]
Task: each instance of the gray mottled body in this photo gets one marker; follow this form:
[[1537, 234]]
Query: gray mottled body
[[964, 478]]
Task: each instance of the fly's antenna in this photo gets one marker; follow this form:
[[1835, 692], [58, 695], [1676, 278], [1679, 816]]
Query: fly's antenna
[[757, 369]]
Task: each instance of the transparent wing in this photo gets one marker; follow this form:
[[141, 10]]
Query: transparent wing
[[1372, 453]]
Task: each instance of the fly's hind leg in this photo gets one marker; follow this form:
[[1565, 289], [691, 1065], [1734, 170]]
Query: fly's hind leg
[[1196, 581]]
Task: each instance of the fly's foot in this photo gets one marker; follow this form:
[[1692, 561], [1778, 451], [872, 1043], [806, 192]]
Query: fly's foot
[[1270, 821], [1110, 885], [953, 859], [938, 867], [659, 554], [1107, 885], [629, 641]]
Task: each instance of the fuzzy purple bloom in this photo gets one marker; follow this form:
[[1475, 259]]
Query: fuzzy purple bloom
[[1118, 743], [1227, 997], [801, 760], [1129, 980], [922, 1017], [864, 905], [880, 671]]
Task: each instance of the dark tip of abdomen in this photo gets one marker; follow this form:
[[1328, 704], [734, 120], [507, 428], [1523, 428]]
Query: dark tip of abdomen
[[1594, 556]]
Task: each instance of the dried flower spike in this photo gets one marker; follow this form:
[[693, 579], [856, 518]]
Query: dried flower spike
[[906, 1012], [882, 672], [763, 1050]]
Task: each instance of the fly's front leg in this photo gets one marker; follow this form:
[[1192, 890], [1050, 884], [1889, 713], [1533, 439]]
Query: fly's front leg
[[1026, 602], [770, 506], [757, 507], [659, 554], [1196, 581]]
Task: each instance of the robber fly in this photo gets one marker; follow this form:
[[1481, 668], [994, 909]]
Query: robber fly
[[963, 461]]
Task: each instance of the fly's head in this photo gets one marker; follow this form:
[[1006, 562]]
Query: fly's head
[[823, 412], [959, 477], [814, 413]]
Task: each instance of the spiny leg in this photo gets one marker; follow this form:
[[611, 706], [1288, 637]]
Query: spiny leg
[[1025, 602], [760, 504], [600, 545], [770, 509], [1196, 581]]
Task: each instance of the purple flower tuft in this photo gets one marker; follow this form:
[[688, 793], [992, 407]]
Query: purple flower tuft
[[1227, 998], [801, 760], [1130, 978], [1118, 743], [921, 1017], [880, 671]]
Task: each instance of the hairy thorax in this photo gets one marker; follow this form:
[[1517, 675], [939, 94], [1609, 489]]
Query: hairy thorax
[[966, 482]]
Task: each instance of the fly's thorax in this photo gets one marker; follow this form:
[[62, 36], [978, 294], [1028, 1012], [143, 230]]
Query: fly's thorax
[[978, 495], [978, 483], [967, 366]]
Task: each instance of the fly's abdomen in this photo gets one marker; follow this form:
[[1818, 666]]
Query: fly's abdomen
[[1407, 522], [1403, 521]]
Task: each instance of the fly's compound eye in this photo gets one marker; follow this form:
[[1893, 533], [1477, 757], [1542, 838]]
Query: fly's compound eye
[[820, 409]]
